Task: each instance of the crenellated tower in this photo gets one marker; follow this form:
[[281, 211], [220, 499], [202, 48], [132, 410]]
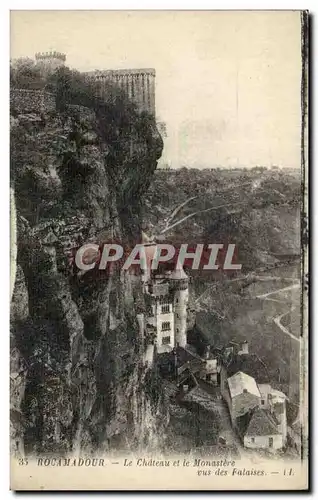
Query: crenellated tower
[[48, 62], [137, 84]]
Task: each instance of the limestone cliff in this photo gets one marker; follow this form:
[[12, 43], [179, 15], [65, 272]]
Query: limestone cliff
[[77, 380]]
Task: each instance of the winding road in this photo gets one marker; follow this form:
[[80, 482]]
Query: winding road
[[203, 211], [282, 327], [177, 210], [278, 319], [285, 289], [233, 203], [266, 296]]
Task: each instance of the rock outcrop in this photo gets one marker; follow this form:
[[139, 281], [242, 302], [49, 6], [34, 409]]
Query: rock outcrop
[[78, 383]]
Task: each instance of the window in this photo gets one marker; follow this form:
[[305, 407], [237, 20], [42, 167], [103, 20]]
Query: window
[[165, 340], [165, 326], [245, 391], [262, 401], [253, 440], [165, 309], [163, 299], [270, 442]]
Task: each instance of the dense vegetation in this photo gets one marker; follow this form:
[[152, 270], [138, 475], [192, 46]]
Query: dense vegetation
[[258, 210], [125, 136]]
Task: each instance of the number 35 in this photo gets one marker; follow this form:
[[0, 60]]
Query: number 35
[[23, 461]]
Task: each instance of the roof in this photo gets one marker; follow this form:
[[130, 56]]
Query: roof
[[179, 274], [240, 382], [133, 71], [183, 356], [169, 388], [250, 364], [242, 423], [261, 424], [202, 398], [279, 395]]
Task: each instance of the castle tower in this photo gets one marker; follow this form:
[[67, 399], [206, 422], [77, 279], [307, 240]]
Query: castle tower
[[160, 314], [179, 283], [137, 84], [150, 250], [48, 62]]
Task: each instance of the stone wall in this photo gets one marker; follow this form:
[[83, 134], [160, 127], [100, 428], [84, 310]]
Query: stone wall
[[138, 85], [22, 101]]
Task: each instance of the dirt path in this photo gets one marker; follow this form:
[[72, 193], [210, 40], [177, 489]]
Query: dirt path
[[231, 204], [201, 212], [177, 210], [278, 319], [277, 322], [286, 288]]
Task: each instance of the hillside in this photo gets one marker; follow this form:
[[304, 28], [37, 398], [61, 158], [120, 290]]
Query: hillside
[[259, 211]]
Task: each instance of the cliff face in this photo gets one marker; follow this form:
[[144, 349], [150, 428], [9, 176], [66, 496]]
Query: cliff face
[[77, 380]]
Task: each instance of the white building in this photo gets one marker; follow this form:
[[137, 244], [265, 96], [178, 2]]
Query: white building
[[258, 412], [167, 296], [275, 402], [262, 432], [241, 394]]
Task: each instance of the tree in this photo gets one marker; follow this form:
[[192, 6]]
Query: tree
[[25, 74]]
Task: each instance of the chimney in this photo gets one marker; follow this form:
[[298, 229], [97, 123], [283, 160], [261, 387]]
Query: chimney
[[207, 352], [244, 347]]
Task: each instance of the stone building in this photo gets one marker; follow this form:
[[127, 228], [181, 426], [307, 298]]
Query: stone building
[[48, 62], [274, 401], [258, 411], [137, 84], [166, 294], [236, 358], [210, 368], [167, 297], [241, 394], [262, 432]]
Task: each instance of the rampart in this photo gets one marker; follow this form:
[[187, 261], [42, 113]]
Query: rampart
[[23, 100], [138, 85]]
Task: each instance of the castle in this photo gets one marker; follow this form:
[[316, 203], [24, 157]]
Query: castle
[[167, 295], [137, 84], [48, 62]]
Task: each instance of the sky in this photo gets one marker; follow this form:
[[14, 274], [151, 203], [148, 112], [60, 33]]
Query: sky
[[227, 83]]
